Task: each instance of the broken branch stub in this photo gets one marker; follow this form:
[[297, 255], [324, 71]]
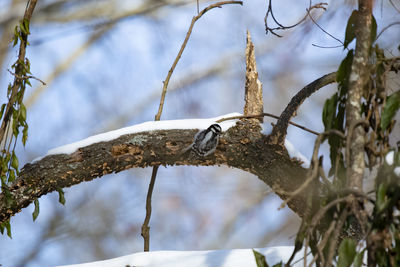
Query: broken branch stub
[[253, 88]]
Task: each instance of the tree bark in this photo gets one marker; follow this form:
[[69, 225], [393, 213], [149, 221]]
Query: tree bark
[[242, 147], [358, 79]]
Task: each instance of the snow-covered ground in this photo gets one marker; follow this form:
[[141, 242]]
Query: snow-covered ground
[[208, 258]]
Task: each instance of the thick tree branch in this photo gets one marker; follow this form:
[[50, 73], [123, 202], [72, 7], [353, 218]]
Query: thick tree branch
[[279, 131], [358, 80], [242, 147]]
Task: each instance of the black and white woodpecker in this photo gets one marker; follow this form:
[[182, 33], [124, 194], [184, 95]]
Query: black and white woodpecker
[[206, 141]]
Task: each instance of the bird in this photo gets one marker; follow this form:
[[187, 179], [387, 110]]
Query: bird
[[206, 141]]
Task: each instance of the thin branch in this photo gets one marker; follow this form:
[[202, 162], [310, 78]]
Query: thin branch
[[387, 27], [394, 6], [321, 244], [25, 77], [280, 129], [334, 240], [282, 27], [314, 166], [321, 173], [267, 115], [189, 32], [145, 226], [326, 47], [318, 216], [322, 29]]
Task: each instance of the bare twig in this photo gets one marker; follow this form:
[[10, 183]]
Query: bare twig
[[314, 166], [325, 47], [350, 191], [282, 27], [319, 215], [189, 32], [387, 27], [321, 212], [145, 227], [394, 6], [334, 240], [266, 115], [280, 129], [322, 29], [25, 77], [321, 173], [321, 244]]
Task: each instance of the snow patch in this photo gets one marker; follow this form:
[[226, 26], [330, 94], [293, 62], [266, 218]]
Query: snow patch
[[294, 153], [266, 128], [397, 171], [210, 258], [390, 158]]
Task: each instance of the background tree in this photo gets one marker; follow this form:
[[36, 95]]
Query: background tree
[[278, 70]]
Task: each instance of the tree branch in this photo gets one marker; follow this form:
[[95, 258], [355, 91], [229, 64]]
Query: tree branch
[[358, 79], [189, 32], [19, 68], [242, 147], [145, 226], [253, 96], [279, 131]]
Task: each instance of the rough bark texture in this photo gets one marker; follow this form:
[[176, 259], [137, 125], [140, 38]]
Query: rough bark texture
[[358, 79], [242, 147], [253, 97]]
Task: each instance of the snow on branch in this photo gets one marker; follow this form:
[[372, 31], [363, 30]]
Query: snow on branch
[[241, 146], [148, 126]]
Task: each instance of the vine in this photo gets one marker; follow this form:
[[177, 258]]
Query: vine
[[13, 113]]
